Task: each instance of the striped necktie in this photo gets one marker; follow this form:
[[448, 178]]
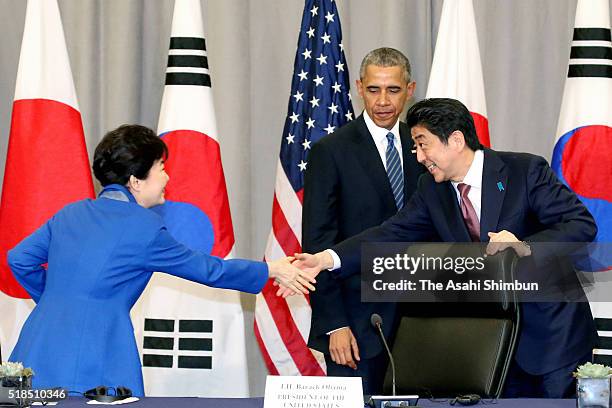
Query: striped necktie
[[394, 172]]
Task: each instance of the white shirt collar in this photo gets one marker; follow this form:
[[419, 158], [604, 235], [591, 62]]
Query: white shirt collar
[[473, 176], [378, 133]]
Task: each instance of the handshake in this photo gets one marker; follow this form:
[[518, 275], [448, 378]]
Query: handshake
[[296, 274]]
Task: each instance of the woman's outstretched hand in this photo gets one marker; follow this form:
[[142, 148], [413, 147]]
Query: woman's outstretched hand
[[289, 277], [310, 264]]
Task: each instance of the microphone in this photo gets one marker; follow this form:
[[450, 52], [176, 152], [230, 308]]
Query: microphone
[[393, 401], [377, 322]]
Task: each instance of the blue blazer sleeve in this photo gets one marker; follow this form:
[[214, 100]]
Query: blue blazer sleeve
[[165, 254], [27, 258]]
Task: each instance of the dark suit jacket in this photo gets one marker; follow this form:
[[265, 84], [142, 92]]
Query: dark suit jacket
[[346, 190], [535, 207]]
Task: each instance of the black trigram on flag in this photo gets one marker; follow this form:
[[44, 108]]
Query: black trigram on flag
[[188, 347], [187, 62], [603, 350], [591, 54]]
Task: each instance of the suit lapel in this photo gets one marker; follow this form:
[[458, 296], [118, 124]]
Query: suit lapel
[[369, 158], [451, 212], [494, 181]]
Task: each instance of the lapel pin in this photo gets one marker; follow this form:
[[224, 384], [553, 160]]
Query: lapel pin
[[500, 186]]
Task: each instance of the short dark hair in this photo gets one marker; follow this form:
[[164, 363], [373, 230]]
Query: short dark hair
[[386, 57], [129, 150], [442, 116]]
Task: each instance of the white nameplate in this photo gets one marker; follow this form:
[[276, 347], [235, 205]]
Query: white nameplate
[[319, 392]]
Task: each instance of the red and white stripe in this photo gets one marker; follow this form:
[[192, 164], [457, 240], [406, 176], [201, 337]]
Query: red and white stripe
[[282, 325]]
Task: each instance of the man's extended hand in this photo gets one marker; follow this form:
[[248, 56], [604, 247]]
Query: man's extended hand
[[343, 348], [498, 241], [313, 264], [309, 264], [289, 277]]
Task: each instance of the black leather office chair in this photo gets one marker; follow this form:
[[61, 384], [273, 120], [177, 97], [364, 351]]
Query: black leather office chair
[[448, 349]]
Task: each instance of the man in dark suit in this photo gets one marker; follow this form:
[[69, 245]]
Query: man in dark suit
[[507, 199], [356, 178]]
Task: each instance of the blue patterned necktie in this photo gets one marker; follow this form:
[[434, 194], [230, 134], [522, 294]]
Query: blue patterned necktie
[[394, 172]]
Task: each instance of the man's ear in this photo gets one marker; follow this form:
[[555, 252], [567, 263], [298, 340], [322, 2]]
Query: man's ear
[[359, 87], [410, 88], [457, 140]]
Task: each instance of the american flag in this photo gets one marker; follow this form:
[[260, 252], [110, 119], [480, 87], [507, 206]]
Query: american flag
[[320, 102]]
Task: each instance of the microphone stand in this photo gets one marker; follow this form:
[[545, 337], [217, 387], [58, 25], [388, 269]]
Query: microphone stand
[[384, 401], [382, 336]]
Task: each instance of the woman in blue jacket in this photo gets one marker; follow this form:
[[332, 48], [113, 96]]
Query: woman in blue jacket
[[101, 254]]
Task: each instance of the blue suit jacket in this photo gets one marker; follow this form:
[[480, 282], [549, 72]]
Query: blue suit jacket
[[535, 207], [101, 254]]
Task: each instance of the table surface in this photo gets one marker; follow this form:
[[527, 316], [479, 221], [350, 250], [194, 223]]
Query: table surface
[[152, 402]]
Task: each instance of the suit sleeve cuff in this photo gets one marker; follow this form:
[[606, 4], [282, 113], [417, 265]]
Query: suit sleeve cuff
[[336, 258], [335, 330]]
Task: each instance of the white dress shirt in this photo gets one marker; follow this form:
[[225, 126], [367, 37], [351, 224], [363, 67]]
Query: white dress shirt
[[380, 138]]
